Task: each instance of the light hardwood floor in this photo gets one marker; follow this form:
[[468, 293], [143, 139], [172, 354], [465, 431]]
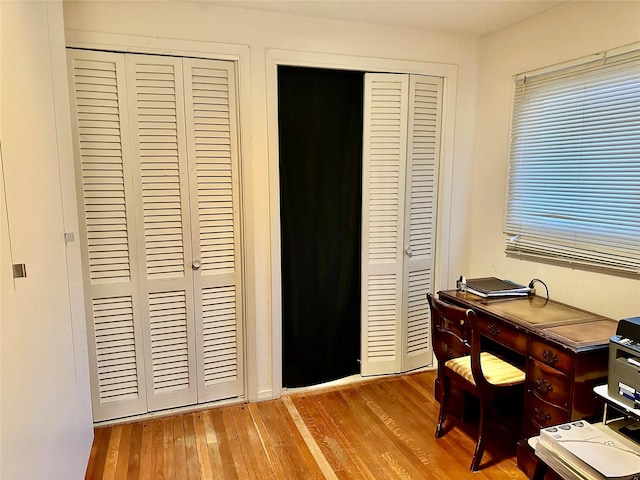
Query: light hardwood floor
[[378, 429]]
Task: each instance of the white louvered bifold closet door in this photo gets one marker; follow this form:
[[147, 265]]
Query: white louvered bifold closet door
[[156, 143], [107, 227], [383, 196], [400, 165], [214, 168], [161, 196], [423, 153]]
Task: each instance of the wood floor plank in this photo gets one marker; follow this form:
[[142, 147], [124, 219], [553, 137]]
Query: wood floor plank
[[312, 419], [374, 429], [253, 453], [146, 452], [335, 440], [320, 460], [204, 460], [213, 445], [179, 448], [133, 470], [408, 438], [455, 469], [89, 472], [224, 444], [123, 452], [404, 452], [286, 453], [157, 445], [345, 414], [234, 444], [168, 449], [190, 447], [101, 437], [113, 449], [294, 450], [269, 442], [406, 459]]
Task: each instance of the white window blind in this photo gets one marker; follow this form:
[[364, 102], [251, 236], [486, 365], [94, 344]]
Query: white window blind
[[574, 172]]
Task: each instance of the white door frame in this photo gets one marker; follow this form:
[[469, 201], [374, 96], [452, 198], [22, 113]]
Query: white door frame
[[275, 58]]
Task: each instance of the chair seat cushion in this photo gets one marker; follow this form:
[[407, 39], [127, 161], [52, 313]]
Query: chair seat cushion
[[495, 370]]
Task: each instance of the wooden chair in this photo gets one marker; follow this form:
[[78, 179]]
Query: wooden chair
[[457, 346]]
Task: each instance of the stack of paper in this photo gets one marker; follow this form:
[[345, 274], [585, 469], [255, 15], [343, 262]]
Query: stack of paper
[[588, 452]]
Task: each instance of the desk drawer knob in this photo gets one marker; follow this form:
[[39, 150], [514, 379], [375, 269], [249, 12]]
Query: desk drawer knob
[[543, 386], [493, 330], [542, 415], [549, 357]]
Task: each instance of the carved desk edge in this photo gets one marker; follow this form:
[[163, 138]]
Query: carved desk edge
[[544, 331]]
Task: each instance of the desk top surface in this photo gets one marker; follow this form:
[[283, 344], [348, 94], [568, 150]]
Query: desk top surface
[[572, 327]]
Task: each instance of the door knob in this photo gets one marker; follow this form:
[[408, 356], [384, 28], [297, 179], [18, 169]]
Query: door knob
[[195, 265], [409, 252]]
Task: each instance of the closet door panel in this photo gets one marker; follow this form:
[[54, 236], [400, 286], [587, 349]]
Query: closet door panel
[[99, 113], [157, 164], [161, 198], [383, 196], [423, 151], [213, 169]]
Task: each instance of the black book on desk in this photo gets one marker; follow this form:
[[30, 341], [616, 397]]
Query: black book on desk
[[491, 287]]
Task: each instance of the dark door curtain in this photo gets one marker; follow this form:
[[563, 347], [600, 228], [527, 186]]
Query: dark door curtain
[[320, 148]]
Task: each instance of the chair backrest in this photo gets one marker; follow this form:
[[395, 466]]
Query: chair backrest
[[450, 330], [455, 333]]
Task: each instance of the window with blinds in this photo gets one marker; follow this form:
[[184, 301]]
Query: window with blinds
[[574, 172]]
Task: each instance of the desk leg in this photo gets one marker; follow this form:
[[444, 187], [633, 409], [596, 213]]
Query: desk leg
[[540, 471]]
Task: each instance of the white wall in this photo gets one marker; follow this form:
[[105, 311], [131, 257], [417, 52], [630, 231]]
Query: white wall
[[45, 410], [263, 31], [569, 31]]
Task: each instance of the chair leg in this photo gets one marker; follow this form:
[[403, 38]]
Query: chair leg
[[445, 384], [477, 455]]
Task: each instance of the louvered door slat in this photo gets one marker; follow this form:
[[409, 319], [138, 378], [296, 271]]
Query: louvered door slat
[[219, 336], [385, 124], [421, 199], [164, 225], [96, 94], [212, 146], [168, 327], [115, 348], [99, 113], [212, 141], [158, 94], [401, 149], [163, 209]]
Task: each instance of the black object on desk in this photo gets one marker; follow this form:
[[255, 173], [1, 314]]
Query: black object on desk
[[490, 287]]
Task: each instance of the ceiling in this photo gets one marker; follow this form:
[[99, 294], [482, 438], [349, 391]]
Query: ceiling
[[473, 17]]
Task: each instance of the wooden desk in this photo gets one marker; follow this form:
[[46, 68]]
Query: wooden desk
[[563, 349]]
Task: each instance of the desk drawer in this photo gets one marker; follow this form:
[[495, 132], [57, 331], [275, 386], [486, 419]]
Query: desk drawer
[[548, 384], [551, 356], [543, 414], [504, 334]]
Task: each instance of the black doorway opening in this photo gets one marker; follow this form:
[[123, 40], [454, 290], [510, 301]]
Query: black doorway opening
[[320, 118]]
